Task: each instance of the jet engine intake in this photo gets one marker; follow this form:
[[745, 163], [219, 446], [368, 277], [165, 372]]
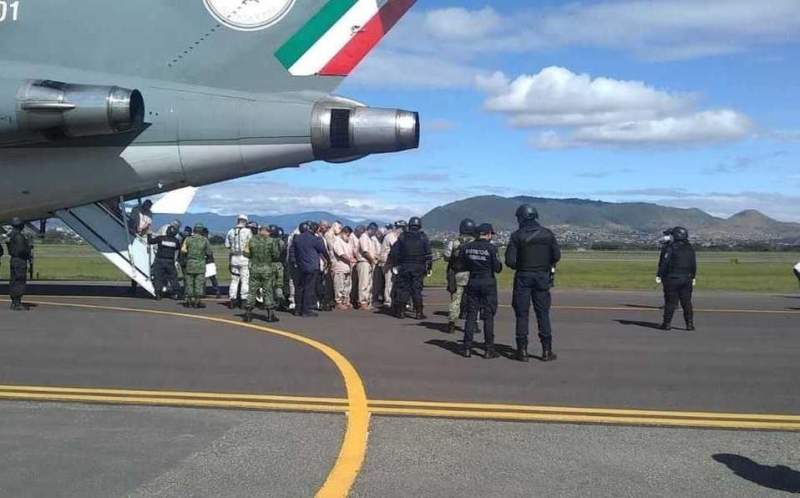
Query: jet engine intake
[[342, 130], [64, 110]]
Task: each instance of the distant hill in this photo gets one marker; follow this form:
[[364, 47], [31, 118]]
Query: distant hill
[[221, 224], [581, 214]]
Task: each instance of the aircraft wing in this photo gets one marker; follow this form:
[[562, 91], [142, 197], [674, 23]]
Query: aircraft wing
[[257, 46]]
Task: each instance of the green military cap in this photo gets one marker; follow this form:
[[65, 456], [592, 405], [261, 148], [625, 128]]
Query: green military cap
[[199, 227]]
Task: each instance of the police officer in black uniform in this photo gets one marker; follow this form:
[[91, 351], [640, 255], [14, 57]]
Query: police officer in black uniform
[[533, 252], [677, 268], [480, 260], [412, 257], [163, 270], [20, 249]]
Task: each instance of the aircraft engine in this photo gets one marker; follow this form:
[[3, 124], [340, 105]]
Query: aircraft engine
[[343, 130], [62, 110]]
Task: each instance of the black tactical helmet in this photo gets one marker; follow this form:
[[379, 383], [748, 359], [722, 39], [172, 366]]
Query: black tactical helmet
[[253, 226], [466, 227], [303, 228], [526, 212], [415, 223], [313, 226], [278, 233], [273, 229], [680, 233], [172, 231], [400, 224], [16, 222]]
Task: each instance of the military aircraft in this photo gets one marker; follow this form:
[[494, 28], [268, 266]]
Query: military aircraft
[[102, 102]]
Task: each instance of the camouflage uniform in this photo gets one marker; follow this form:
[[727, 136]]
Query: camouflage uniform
[[278, 272], [457, 281], [196, 249], [264, 252]]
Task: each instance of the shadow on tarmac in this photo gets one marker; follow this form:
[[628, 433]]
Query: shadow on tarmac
[[778, 477], [647, 325], [643, 306], [457, 347], [56, 289]]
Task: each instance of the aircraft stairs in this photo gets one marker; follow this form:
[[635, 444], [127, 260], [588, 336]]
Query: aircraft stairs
[[106, 230]]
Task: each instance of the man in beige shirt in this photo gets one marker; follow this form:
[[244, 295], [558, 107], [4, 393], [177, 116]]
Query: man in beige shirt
[[367, 259], [343, 261]]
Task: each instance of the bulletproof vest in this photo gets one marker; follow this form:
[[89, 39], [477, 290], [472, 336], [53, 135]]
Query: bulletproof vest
[[456, 262], [681, 261], [263, 251], [412, 249], [534, 248], [18, 245], [167, 247]]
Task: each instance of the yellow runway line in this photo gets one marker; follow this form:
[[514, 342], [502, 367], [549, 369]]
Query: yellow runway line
[[354, 445], [434, 409]]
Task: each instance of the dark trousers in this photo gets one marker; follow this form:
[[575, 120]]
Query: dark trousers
[[165, 275], [18, 278], [678, 289], [409, 285], [325, 290], [306, 292], [532, 287], [481, 296]]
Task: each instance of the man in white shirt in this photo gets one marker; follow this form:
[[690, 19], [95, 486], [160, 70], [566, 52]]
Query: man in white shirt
[[389, 240], [343, 261], [236, 241], [367, 259]]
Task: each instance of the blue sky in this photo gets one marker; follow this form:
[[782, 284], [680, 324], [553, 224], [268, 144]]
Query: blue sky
[[680, 102]]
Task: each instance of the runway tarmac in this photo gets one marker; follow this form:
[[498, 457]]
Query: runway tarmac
[[615, 370]]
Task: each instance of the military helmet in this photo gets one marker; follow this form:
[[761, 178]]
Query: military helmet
[[303, 228], [466, 227], [199, 227], [172, 231], [400, 224], [273, 228], [277, 233], [16, 222], [680, 233], [526, 212], [415, 222]]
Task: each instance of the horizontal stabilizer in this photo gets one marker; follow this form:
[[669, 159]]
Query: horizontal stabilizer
[[175, 202]]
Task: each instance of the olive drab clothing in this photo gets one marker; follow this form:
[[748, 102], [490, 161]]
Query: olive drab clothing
[[264, 253], [457, 278], [196, 250]]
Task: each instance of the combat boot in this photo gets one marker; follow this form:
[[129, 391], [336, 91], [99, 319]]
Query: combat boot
[[451, 328], [467, 352], [420, 315], [547, 351], [490, 352], [690, 325], [248, 315], [271, 317], [199, 304], [522, 351], [665, 326], [399, 312]]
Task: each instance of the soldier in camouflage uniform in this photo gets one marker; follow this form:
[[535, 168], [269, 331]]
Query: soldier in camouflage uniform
[[457, 279], [196, 249], [263, 252], [276, 233]]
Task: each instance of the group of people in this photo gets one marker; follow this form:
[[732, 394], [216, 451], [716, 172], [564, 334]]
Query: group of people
[[328, 266]]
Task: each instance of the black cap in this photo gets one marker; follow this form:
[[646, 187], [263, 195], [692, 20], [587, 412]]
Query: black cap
[[485, 228]]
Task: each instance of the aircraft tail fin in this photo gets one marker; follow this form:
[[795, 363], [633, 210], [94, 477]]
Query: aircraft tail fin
[[257, 46]]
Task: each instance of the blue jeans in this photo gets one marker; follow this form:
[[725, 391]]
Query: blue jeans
[[532, 287]]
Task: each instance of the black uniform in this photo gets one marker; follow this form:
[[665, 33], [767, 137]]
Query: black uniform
[[480, 259], [412, 256], [163, 269], [677, 268], [20, 249], [532, 251]]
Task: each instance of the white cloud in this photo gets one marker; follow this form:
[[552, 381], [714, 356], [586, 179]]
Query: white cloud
[[605, 111], [459, 40], [457, 23]]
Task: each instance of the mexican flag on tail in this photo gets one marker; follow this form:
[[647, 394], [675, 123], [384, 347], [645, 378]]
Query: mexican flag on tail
[[339, 36]]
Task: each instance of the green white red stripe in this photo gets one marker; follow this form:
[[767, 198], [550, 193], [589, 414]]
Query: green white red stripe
[[340, 35]]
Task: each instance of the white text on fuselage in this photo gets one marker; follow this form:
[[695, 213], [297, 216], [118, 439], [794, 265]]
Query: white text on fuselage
[[9, 11]]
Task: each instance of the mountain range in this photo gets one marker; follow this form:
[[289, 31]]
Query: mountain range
[[609, 217]]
